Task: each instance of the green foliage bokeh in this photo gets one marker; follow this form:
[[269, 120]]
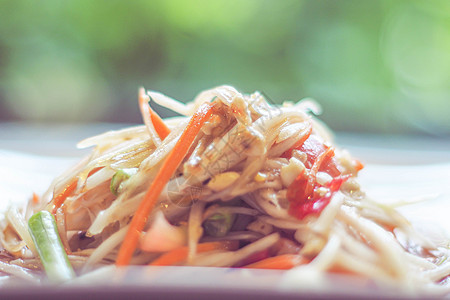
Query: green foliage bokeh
[[375, 66]]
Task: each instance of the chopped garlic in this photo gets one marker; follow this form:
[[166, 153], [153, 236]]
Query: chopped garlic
[[351, 185], [223, 180], [291, 171], [323, 178], [322, 191]]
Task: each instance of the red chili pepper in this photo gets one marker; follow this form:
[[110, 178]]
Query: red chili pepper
[[297, 189], [302, 194], [313, 146], [335, 184], [309, 207], [302, 205]]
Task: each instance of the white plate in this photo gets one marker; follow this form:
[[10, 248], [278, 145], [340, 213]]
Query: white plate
[[24, 172]]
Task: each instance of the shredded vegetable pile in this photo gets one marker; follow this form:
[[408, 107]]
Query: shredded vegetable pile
[[233, 182]]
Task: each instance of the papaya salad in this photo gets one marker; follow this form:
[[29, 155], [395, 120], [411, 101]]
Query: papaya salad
[[235, 181]]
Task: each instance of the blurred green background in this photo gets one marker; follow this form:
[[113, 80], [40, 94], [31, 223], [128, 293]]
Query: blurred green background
[[375, 66]]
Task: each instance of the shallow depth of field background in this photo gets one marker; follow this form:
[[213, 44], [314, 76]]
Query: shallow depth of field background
[[375, 66]]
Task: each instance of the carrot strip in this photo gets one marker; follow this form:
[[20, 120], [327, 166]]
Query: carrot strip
[[59, 199], [280, 262], [357, 165], [150, 117], [160, 127], [180, 254], [168, 168], [342, 270], [36, 198], [94, 170]]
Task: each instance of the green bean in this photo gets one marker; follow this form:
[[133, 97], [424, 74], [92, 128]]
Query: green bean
[[43, 230]]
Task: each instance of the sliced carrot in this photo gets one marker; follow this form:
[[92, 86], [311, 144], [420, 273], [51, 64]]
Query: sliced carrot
[[341, 270], [179, 255], [168, 168], [36, 198], [150, 117], [94, 170], [357, 165], [280, 262], [160, 127], [68, 190]]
